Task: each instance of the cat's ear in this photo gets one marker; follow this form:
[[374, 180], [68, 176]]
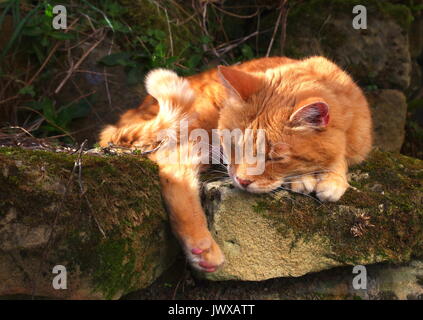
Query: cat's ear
[[241, 83], [311, 115]]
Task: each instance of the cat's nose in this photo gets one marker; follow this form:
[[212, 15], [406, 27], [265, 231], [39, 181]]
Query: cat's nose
[[244, 182]]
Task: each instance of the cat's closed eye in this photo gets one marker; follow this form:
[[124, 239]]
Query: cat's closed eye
[[276, 158]]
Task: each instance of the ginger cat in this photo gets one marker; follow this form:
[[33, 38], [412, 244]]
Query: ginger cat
[[316, 121]]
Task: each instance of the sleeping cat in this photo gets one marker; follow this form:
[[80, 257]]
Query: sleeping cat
[[316, 121]]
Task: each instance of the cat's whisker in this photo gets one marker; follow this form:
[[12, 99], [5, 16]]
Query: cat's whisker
[[217, 153], [306, 174], [216, 158], [219, 171], [302, 193], [224, 179]]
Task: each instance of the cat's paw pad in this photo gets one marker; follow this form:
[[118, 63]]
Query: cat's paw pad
[[205, 256], [305, 184], [331, 187]]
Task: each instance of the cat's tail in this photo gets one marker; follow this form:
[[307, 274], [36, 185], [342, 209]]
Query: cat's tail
[[174, 96], [173, 93]]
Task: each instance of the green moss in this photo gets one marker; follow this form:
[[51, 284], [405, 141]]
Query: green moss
[[121, 196], [146, 15], [116, 268], [390, 196]]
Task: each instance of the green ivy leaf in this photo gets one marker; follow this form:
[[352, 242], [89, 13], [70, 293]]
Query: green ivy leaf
[[49, 10], [71, 112], [28, 90], [48, 110], [61, 35], [205, 39], [135, 76], [116, 59], [247, 52], [194, 61]]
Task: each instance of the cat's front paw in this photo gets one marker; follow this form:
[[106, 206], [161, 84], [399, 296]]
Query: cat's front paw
[[331, 187], [304, 184], [205, 255]]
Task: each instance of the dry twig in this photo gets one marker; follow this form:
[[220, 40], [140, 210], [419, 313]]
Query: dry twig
[[78, 63]]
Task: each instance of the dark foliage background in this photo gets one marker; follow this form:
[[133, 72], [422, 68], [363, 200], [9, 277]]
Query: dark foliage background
[[66, 84]]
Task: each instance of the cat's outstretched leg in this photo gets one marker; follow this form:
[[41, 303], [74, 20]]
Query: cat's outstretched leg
[[180, 188], [179, 179], [179, 170]]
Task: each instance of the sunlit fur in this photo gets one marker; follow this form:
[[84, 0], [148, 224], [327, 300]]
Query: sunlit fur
[[285, 89], [271, 94]]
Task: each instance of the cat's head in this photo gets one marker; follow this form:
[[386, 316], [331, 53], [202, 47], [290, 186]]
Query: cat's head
[[295, 116]]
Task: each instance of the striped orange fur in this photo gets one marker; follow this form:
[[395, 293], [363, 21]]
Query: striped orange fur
[[317, 123]]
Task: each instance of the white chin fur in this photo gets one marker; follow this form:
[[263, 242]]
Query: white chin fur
[[254, 189]]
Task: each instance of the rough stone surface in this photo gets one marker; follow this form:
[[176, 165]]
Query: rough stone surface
[[254, 247], [46, 221], [380, 218], [389, 112], [379, 54], [384, 282], [401, 282], [113, 237], [376, 57]]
